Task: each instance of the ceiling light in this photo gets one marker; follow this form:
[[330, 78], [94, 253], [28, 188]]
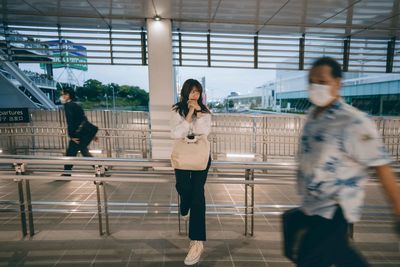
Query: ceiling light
[[157, 18]]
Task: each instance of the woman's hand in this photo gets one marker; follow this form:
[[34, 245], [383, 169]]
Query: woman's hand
[[75, 140], [191, 107], [192, 104]]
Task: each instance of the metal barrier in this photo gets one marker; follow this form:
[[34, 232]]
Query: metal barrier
[[122, 134], [126, 134], [23, 169]]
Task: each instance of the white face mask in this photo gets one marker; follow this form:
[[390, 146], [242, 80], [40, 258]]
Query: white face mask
[[62, 100], [320, 95]]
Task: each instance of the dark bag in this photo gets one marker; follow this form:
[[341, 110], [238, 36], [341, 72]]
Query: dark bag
[[294, 224], [86, 133]]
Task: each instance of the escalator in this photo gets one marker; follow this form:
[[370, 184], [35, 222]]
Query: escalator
[[24, 92]]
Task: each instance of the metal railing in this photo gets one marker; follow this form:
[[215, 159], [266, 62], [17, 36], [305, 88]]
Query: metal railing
[[24, 169], [126, 134], [121, 134]]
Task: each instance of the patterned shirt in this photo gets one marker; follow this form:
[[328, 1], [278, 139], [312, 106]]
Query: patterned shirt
[[337, 147]]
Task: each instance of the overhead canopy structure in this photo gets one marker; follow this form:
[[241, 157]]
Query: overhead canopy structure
[[334, 18], [263, 34]]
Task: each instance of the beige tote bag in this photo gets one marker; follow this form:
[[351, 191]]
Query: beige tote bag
[[191, 154]]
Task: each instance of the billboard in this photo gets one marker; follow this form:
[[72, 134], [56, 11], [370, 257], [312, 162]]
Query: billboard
[[67, 54]]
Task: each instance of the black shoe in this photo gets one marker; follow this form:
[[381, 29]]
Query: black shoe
[[65, 174]]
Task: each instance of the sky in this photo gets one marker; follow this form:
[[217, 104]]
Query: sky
[[219, 81]]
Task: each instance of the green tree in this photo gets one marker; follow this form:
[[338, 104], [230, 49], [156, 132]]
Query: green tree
[[92, 93], [108, 89], [92, 90], [135, 94], [219, 105], [140, 95], [124, 91]]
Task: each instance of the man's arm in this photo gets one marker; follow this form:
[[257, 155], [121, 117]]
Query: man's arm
[[79, 116], [70, 119], [388, 180]]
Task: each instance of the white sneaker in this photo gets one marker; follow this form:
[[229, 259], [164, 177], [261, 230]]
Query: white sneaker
[[186, 217], [196, 248]]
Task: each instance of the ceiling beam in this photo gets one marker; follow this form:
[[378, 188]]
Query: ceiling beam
[[4, 11], [270, 18], [304, 16], [257, 18], [216, 11], [58, 12], [395, 19], [209, 10], [98, 13], [339, 12], [110, 11], [154, 8], [180, 11], [34, 8], [349, 20], [372, 27]]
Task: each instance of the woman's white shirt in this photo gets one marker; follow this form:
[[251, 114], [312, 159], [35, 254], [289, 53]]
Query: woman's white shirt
[[180, 127]]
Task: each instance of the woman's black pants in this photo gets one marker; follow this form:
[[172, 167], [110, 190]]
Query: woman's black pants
[[190, 187]]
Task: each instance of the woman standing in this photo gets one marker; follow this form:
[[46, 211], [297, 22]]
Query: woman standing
[[190, 117]]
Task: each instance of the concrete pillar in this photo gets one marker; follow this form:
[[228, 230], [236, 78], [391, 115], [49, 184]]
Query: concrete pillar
[[161, 84]]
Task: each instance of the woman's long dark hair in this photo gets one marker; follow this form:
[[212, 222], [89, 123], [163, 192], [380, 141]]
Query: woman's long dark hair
[[182, 107]]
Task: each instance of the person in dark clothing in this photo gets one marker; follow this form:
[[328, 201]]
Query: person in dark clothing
[[75, 116]]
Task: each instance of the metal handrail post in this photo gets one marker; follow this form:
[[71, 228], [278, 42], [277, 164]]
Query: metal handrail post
[[99, 172], [22, 207], [29, 206], [252, 186], [99, 207], [106, 207], [246, 177]]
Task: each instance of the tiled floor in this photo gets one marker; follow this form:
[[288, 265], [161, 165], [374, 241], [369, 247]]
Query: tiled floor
[[152, 239]]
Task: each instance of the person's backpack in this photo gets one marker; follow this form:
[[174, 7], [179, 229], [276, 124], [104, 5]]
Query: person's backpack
[[294, 224], [86, 133]]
